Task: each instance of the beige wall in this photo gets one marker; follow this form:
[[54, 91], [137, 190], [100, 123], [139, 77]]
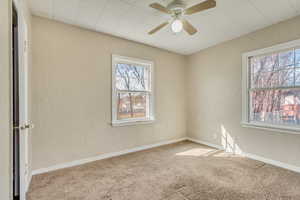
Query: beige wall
[[215, 91], [72, 94], [5, 150]]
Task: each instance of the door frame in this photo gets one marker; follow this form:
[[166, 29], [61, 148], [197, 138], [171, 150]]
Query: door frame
[[25, 176]]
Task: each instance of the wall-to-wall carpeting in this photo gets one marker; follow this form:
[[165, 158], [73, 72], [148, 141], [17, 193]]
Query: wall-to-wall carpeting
[[181, 171]]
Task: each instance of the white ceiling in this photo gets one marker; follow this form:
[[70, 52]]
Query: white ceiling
[[132, 19]]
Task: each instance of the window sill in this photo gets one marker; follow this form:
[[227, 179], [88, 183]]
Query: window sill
[[132, 122], [268, 127]]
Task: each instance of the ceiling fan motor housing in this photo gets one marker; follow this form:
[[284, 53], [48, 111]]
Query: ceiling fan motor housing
[[177, 6]]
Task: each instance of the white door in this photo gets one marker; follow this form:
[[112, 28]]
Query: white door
[[23, 107]]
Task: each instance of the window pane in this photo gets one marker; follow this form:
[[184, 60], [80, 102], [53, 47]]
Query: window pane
[[264, 63], [280, 107], [286, 58], [280, 78], [297, 52], [132, 77], [286, 78], [265, 79], [297, 76], [255, 65], [132, 105]]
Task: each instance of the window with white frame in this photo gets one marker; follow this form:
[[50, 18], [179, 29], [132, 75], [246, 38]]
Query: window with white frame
[[271, 87], [132, 91]]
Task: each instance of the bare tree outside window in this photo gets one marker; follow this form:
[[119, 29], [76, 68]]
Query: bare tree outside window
[[274, 91], [133, 85]]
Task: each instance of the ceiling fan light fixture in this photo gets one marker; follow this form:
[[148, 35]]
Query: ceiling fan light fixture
[[177, 9], [177, 26]]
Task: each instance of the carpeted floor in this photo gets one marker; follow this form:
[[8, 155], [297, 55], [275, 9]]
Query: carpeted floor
[[182, 171]]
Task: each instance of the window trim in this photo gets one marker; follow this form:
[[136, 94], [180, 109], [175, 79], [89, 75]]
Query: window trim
[[115, 122], [245, 89]]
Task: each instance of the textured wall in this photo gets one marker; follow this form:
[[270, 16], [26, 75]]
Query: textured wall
[[71, 90], [5, 178], [71, 95], [214, 88]]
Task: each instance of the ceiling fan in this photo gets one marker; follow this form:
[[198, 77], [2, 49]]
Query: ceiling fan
[[177, 10]]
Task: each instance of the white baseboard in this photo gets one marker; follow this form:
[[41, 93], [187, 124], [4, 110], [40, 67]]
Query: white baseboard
[[206, 143], [145, 147], [273, 162], [253, 156], [103, 156]]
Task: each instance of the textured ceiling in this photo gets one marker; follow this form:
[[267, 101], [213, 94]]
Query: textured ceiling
[[132, 19]]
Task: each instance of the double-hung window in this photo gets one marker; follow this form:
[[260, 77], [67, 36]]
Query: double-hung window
[[132, 91], [271, 87]]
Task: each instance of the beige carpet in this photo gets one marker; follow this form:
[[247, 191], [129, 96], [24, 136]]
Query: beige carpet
[[182, 171]]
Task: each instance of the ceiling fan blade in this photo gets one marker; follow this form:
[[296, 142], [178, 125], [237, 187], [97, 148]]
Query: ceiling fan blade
[[188, 27], [158, 28], [159, 7], [200, 7]]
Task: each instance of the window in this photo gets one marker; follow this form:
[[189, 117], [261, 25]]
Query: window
[[132, 91], [271, 87]]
